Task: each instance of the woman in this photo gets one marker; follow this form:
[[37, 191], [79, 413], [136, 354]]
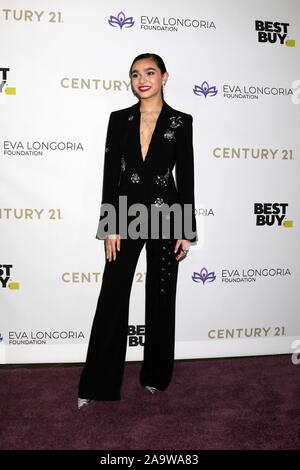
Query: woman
[[143, 144]]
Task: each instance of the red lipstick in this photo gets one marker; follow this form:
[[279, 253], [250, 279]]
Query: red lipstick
[[144, 88]]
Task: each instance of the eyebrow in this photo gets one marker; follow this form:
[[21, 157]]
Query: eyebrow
[[147, 70]]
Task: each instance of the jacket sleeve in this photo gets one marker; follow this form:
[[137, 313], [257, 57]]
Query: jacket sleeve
[[111, 174], [184, 172]]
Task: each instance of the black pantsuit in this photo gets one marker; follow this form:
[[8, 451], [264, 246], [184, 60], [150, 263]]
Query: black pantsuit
[[149, 181], [102, 376]]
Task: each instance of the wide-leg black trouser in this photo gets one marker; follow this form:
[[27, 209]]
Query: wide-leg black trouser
[[102, 375]]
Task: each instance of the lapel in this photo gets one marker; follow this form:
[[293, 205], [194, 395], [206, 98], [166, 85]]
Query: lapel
[[133, 131]]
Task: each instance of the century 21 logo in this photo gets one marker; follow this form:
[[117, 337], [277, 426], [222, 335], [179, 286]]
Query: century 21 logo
[[3, 80], [5, 273]]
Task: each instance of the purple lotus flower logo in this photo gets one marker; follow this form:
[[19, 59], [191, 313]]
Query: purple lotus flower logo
[[204, 276], [121, 21], [205, 90]]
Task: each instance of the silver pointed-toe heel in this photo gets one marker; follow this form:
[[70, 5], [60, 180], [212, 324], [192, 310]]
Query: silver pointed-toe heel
[[83, 402], [151, 389]]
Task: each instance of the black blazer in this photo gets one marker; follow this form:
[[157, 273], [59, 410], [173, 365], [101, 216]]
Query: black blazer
[[149, 181]]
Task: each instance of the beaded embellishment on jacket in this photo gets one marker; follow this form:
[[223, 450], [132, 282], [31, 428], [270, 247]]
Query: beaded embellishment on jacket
[[162, 180], [169, 135], [135, 178], [175, 121], [159, 201]]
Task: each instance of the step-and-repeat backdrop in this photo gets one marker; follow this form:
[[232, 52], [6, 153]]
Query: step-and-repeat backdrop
[[235, 67]]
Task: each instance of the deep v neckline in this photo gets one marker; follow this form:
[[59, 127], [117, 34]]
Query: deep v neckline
[[152, 136]]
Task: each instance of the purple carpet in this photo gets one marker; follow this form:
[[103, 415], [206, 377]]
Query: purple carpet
[[233, 403]]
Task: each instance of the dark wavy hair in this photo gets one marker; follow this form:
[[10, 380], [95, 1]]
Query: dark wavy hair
[[156, 58]]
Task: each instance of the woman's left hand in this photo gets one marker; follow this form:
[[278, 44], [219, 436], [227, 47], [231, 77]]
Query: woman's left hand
[[182, 245]]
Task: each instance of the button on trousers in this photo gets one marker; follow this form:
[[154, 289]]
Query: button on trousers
[[102, 375]]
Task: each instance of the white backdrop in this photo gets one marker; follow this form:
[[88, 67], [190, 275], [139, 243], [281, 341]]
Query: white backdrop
[[238, 290]]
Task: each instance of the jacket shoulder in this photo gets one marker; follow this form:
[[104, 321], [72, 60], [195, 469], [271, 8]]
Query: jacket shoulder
[[124, 112], [182, 114], [178, 113]]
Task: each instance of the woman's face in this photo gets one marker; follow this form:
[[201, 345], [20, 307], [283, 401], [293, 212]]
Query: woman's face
[[147, 79]]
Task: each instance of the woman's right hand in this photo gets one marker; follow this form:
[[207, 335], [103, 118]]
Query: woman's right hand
[[112, 244]]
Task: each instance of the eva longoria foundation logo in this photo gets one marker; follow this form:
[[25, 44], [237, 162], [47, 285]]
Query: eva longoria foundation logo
[[203, 276], [240, 275], [247, 92], [156, 23], [240, 91], [120, 21], [248, 275], [37, 148], [44, 337], [205, 90]]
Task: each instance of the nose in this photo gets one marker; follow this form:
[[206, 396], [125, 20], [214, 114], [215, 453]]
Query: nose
[[143, 79]]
